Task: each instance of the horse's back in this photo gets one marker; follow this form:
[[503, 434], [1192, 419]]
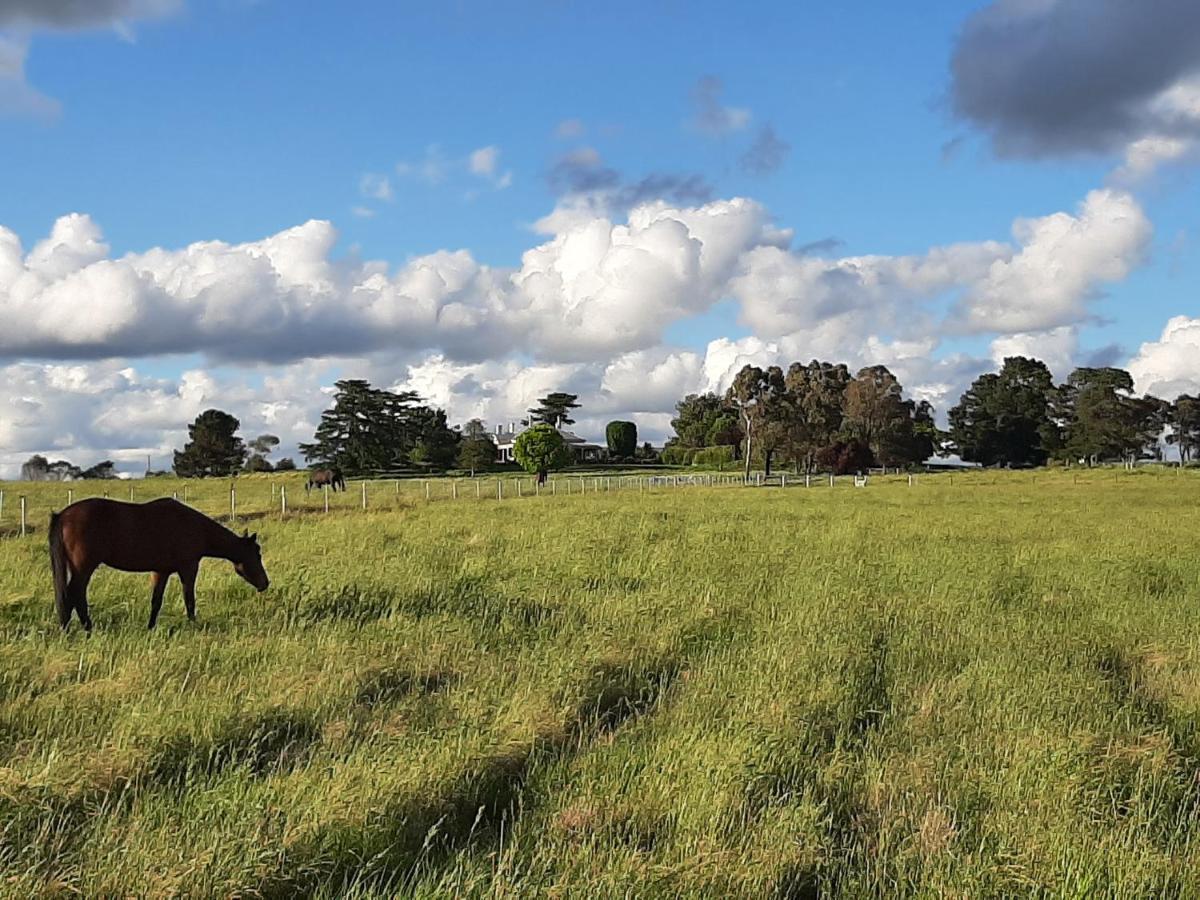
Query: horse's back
[[152, 536]]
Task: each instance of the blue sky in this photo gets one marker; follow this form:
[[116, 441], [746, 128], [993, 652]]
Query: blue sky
[[171, 123]]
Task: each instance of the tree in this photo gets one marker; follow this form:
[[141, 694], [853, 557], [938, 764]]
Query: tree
[[264, 444], [554, 409], [287, 464], [101, 471], [214, 447], [369, 430], [1005, 418], [38, 468], [476, 453], [437, 444], [256, 462], [1103, 420], [705, 420], [816, 394], [622, 439], [845, 457], [760, 397], [539, 449], [1183, 418]]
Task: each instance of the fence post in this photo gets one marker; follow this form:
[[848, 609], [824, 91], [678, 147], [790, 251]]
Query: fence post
[[477, 490], [760, 479], [282, 499], [1, 505], [831, 479], [364, 494], [396, 484], [131, 493], [70, 496], [232, 503], [453, 490], [499, 489], [910, 480], [22, 517], [518, 488], [326, 489], [174, 495], [783, 480]]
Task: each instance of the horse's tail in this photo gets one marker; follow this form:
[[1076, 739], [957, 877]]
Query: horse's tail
[[59, 567]]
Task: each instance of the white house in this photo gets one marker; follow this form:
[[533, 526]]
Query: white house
[[581, 450]]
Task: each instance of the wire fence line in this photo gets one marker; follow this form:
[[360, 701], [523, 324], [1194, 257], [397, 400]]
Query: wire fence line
[[25, 507]]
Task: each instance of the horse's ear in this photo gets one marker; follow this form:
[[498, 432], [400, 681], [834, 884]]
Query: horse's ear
[[254, 537], [245, 532]]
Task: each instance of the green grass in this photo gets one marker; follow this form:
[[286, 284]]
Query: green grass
[[983, 688]]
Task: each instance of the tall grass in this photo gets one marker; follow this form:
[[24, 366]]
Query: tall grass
[[981, 688]]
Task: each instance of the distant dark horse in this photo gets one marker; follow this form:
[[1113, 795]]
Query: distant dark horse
[[163, 537], [325, 477]]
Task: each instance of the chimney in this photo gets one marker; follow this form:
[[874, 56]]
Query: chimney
[[512, 427]]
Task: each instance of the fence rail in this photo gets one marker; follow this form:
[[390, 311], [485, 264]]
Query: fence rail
[[25, 507]]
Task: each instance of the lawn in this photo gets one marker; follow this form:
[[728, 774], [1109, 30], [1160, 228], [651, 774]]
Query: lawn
[[974, 687]]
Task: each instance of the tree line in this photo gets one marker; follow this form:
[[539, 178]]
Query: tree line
[[815, 417], [819, 416], [812, 416]]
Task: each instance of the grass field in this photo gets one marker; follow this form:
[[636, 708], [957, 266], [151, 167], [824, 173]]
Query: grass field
[[983, 688]]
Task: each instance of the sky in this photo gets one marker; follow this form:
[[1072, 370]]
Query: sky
[[234, 203]]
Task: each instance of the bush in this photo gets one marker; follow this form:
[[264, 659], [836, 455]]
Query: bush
[[714, 457], [621, 438], [678, 456]]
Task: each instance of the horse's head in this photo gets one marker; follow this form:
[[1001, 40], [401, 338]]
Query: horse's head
[[249, 563]]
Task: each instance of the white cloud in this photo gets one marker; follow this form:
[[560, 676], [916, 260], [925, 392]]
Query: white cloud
[[1169, 366], [483, 161], [431, 169], [108, 410], [1058, 348], [1062, 262], [586, 310], [569, 129], [375, 187]]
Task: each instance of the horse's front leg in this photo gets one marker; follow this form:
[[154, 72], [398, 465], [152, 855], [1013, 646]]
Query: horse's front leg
[[158, 585], [188, 577]]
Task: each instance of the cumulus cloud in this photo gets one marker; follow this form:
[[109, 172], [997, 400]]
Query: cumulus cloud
[[1062, 262], [1058, 348], [1049, 77], [710, 116], [586, 309], [1167, 367], [592, 289], [109, 410]]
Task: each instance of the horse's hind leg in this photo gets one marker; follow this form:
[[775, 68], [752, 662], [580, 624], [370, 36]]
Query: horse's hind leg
[[158, 584], [77, 597]]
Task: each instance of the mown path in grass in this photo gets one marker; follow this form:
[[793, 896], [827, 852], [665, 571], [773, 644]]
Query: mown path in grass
[[981, 689]]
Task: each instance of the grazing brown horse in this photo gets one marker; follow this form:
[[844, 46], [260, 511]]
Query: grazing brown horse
[[322, 477], [163, 537]]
